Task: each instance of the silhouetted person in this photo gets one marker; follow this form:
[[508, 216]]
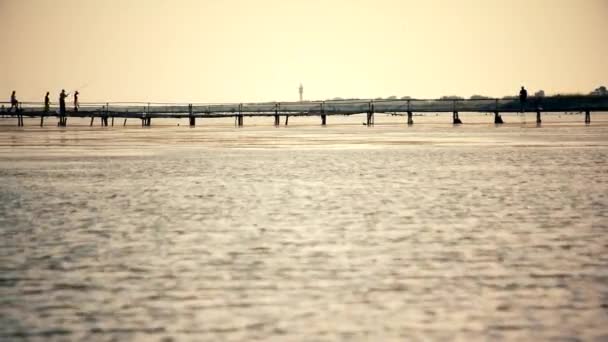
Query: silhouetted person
[[523, 97], [62, 97], [76, 101], [14, 102], [47, 103]]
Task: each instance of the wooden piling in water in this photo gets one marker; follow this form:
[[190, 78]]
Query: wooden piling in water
[[191, 117], [63, 121], [286, 119], [323, 115], [239, 117], [104, 121], [277, 119], [538, 117], [497, 118], [370, 114], [587, 117], [41, 120], [92, 119], [125, 122], [410, 118], [455, 119]]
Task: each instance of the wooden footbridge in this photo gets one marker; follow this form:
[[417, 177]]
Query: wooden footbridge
[[108, 112]]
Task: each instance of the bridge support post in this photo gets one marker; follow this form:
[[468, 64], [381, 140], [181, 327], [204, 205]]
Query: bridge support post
[[107, 113], [538, 117], [370, 120], [587, 117], [239, 117], [410, 118], [191, 118], [497, 118], [277, 118], [20, 116], [455, 119], [323, 116]]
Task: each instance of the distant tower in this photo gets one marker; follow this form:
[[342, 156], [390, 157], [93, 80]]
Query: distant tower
[[301, 89]]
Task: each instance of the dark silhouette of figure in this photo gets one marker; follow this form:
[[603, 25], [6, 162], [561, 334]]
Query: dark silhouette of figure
[[62, 97], [76, 105], [523, 97], [14, 102], [47, 103]]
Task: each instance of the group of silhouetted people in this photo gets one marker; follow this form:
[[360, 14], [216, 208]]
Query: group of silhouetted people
[[47, 102]]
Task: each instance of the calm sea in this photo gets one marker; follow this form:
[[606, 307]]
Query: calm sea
[[344, 232]]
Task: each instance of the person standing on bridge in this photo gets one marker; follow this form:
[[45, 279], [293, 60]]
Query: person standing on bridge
[[62, 97], [14, 102], [523, 97], [47, 103], [76, 105]]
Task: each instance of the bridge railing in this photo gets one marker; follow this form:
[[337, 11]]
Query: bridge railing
[[547, 104]]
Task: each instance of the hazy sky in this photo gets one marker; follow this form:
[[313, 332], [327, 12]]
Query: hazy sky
[[257, 50]]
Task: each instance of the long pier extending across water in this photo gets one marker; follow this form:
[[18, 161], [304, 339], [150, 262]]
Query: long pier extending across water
[[107, 112]]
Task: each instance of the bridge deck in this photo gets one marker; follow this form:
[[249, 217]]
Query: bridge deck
[[316, 108]]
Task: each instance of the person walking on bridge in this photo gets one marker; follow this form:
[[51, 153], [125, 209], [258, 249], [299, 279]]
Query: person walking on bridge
[[47, 103], [14, 103], [523, 97], [76, 104]]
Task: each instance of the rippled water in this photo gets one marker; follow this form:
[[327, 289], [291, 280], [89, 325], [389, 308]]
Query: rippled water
[[305, 233]]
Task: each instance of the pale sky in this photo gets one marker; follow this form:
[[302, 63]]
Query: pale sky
[[260, 50]]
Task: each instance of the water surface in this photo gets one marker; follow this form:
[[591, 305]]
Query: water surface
[[304, 232]]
